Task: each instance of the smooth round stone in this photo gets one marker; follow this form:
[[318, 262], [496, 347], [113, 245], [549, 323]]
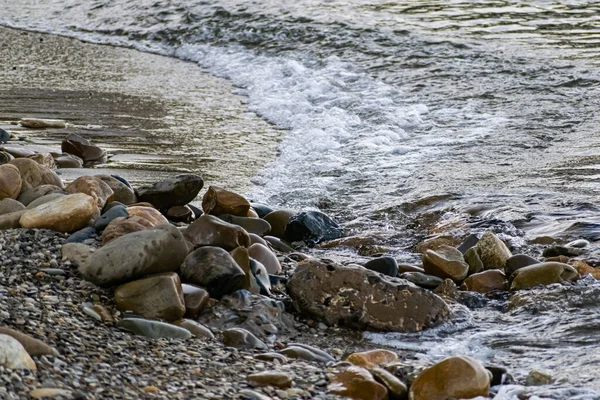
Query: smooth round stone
[[195, 328], [254, 238], [48, 393], [445, 262], [270, 378], [18, 152], [8, 206], [261, 209], [68, 213], [32, 346], [34, 174], [209, 230], [252, 225], [214, 269], [261, 276], [10, 181], [422, 280], [218, 201], [317, 354], [542, 274], [384, 265], [242, 339], [54, 271], [114, 212], [485, 282], [458, 377], [153, 329], [279, 244], [518, 261], [44, 199], [278, 221], [266, 257]]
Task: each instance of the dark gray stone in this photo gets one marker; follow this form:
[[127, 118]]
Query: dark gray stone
[[384, 265], [82, 235], [261, 209], [177, 191], [105, 219], [422, 280], [518, 261], [311, 227]]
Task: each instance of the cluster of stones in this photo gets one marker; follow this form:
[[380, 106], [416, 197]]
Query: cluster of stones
[[176, 268]]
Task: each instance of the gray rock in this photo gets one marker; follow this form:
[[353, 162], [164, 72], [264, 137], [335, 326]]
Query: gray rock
[[252, 225], [27, 196], [214, 269], [4, 136], [135, 255], [121, 192], [178, 191], [364, 299], [8, 206], [384, 265], [518, 261], [153, 329], [82, 235], [105, 219], [311, 227], [304, 353], [242, 339], [279, 244]]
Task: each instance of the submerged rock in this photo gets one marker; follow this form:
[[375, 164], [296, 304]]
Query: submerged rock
[[364, 299]]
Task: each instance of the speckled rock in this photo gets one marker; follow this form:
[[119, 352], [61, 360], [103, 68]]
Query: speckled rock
[[361, 298], [492, 251]]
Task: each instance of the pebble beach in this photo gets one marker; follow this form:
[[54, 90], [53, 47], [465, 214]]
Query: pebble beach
[[121, 279]]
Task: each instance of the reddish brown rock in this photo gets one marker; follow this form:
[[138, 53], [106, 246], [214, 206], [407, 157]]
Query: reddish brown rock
[[218, 201], [457, 377], [159, 296], [485, 282], [211, 231], [357, 383], [355, 296], [92, 186], [121, 226], [584, 268]]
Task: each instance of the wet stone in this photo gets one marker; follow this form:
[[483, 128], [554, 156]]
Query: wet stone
[[384, 265]]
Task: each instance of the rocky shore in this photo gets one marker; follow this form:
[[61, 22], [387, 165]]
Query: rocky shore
[[181, 288]]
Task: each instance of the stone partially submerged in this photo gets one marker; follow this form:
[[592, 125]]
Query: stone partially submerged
[[357, 297]]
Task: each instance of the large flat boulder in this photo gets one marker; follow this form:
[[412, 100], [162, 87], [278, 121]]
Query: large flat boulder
[[357, 297], [66, 214]]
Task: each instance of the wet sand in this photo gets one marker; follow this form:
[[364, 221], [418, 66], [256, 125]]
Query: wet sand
[[155, 115]]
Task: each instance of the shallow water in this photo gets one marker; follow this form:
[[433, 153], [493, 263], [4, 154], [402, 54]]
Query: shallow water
[[404, 119]]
